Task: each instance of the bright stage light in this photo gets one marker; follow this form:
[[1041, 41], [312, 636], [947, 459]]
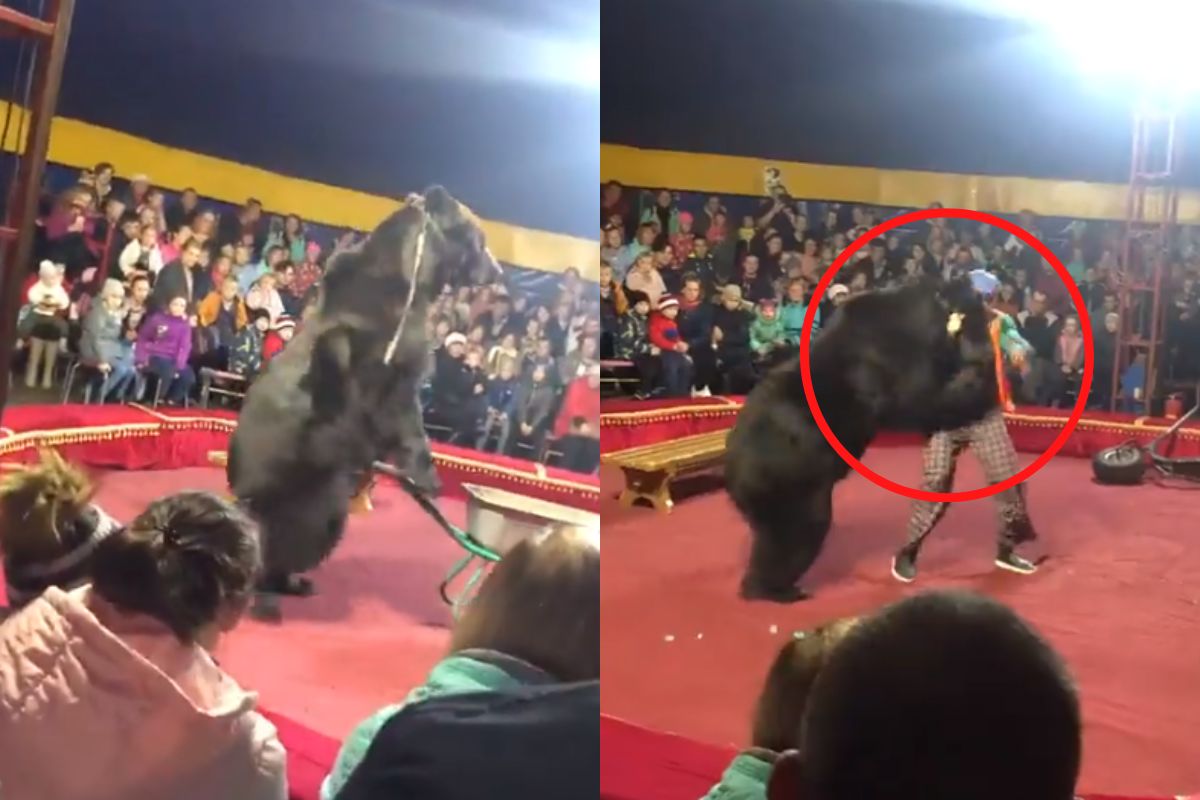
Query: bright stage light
[[1151, 42], [1148, 44]]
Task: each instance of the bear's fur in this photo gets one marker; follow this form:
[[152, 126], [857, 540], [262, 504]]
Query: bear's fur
[[328, 405], [886, 361]]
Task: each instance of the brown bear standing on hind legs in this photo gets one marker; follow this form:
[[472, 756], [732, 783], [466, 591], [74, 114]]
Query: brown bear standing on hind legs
[[343, 393]]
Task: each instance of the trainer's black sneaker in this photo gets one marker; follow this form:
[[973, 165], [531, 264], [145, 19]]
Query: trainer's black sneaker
[[904, 565], [1008, 559]]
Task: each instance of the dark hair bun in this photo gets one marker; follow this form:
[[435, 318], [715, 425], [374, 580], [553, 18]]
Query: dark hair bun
[[181, 561]]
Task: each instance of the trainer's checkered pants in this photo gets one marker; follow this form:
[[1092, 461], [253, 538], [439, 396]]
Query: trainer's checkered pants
[[989, 440]]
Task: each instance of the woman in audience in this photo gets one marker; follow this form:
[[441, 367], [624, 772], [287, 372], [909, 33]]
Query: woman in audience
[[780, 708], [116, 676], [1068, 357], [522, 675], [103, 344], [164, 344]]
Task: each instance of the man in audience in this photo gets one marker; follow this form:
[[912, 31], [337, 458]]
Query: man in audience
[[178, 279], [941, 696]]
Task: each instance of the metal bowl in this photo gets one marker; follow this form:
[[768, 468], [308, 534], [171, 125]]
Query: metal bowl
[[500, 519]]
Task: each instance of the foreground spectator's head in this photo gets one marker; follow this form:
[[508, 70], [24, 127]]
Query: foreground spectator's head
[[785, 692], [942, 696], [260, 318], [541, 605], [612, 236], [456, 345], [178, 306], [189, 560]]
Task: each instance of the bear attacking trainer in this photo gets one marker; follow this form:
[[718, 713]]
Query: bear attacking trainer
[[917, 358], [343, 393]]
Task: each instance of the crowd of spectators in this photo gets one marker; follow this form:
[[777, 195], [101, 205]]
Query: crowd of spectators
[[701, 301], [159, 299], [107, 642]]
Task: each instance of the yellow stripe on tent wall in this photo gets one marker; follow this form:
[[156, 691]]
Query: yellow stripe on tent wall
[[716, 174], [80, 144]]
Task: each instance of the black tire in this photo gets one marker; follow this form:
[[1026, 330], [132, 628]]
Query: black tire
[[1122, 465]]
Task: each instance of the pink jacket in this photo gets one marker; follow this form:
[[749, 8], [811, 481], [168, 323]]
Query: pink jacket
[[98, 705]]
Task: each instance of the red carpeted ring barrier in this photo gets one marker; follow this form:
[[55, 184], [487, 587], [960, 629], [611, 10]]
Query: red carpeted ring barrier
[[630, 423], [134, 437]]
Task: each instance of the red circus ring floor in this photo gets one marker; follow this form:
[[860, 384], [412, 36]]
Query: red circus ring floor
[[1119, 598], [377, 624]]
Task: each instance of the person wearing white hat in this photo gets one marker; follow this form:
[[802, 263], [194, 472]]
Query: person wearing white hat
[[676, 363], [43, 322]]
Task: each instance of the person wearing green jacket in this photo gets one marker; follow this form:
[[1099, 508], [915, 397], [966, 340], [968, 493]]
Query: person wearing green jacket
[[766, 332], [535, 621]]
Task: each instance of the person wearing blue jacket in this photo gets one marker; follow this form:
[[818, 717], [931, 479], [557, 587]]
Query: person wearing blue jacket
[[695, 323], [793, 311]]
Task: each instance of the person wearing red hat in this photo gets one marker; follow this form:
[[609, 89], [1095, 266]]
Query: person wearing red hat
[[676, 363]]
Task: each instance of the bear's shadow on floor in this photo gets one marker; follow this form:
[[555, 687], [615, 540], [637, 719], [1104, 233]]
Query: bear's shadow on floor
[[407, 586]]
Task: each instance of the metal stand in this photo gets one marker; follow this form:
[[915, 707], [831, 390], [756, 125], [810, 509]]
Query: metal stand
[[478, 554], [47, 36], [1151, 212]]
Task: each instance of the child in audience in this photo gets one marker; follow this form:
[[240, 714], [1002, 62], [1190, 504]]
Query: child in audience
[[778, 713], [731, 340], [676, 364], [163, 347], [143, 255], [44, 322], [523, 676], [118, 673], [49, 528], [223, 313], [246, 357], [278, 337], [501, 390], [766, 332], [265, 295], [505, 352], [633, 343]]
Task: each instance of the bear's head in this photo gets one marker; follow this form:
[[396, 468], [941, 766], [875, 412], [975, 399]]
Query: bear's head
[[966, 312], [444, 232]]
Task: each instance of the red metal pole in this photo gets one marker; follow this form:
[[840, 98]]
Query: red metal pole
[[47, 77]]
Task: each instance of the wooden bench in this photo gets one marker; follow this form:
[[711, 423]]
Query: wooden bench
[[650, 469]]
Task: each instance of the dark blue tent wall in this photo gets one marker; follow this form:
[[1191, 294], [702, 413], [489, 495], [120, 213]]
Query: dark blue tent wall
[[310, 89], [891, 85]]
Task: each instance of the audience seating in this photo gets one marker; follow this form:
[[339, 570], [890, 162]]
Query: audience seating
[[650, 469]]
